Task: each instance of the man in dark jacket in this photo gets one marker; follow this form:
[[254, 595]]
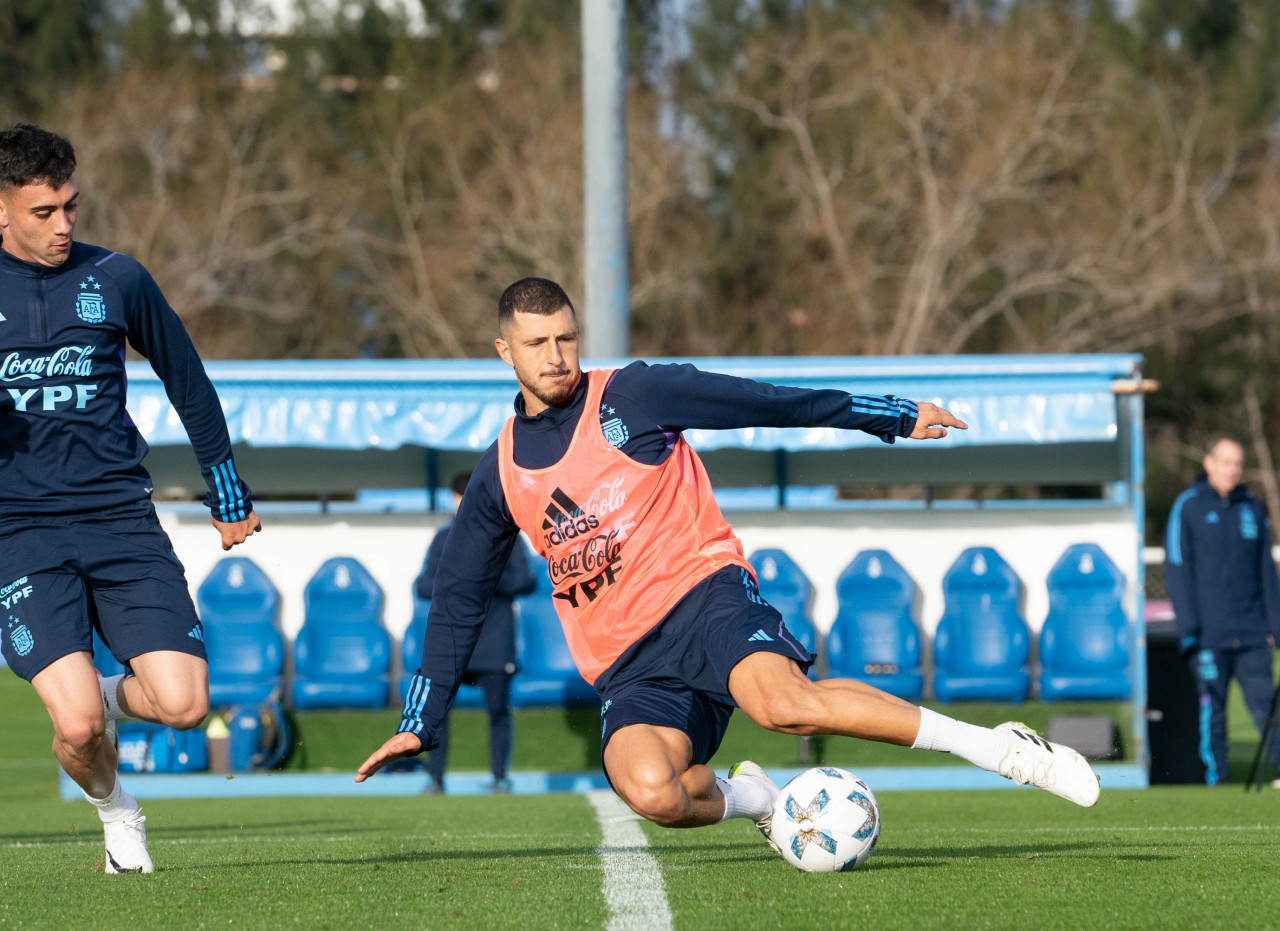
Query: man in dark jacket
[[494, 661], [1222, 581], [81, 547]]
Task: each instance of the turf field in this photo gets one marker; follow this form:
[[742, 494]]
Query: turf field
[[1159, 858]]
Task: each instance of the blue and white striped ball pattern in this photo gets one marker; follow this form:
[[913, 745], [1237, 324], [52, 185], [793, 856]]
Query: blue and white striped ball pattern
[[826, 820]]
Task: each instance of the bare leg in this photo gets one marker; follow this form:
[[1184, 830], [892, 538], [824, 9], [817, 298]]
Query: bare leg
[[651, 769], [775, 694], [167, 687], [69, 689]]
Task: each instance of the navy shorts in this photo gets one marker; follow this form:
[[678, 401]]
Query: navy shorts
[[677, 675], [61, 577]]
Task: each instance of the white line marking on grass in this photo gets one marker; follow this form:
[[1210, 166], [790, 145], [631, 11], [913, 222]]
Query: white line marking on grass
[[633, 887]]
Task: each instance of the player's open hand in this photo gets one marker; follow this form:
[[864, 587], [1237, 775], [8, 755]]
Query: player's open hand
[[933, 420], [238, 531], [397, 748]]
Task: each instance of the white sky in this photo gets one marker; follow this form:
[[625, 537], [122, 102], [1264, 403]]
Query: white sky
[[274, 17]]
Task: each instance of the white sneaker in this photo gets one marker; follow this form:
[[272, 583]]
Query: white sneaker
[[753, 771], [1061, 770], [127, 845]]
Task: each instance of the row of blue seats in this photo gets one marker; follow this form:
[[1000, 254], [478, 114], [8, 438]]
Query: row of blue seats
[[982, 643], [342, 655]]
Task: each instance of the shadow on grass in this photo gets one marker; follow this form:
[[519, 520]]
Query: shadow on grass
[[915, 857], [91, 829], [895, 859], [1073, 851]]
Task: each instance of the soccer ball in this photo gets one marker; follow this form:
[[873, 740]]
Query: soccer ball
[[826, 820]]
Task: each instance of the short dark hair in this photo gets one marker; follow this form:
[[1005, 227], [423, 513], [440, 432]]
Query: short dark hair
[[459, 483], [31, 155], [1217, 438], [540, 296]]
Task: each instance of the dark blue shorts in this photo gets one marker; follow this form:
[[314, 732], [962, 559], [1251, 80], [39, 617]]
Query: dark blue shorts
[[677, 675], [61, 577]]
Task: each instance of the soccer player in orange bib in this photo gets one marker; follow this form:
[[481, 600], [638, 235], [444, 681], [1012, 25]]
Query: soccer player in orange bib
[[659, 605]]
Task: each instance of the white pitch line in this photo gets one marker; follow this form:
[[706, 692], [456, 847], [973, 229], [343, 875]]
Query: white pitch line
[[633, 887]]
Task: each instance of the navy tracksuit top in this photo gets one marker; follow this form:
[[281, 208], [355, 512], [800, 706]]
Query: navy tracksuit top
[[496, 649], [1219, 570], [644, 407], [67, 444]]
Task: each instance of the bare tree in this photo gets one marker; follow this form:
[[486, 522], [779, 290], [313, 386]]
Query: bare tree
[[206, 187]]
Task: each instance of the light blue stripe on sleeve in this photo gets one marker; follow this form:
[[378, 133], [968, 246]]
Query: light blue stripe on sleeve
[[229, 491], [414, 701], [883, 407], [238, 486], [229, 496], [222, 495], [1173, 534]]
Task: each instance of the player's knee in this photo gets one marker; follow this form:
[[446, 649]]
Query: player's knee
[[656, 797], [660, 804], [185, 711], [81, 736], [192, 715]]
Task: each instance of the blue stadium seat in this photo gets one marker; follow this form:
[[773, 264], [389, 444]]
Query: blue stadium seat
[[547, 677], [981, 645], [106, 664], [785, 586], [875, 638], [1084, 644], [237, 605], [342, 656], [469, 696]]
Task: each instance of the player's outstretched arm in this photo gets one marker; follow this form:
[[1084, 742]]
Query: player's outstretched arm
[[237, 531], [397, 748], [932, 421]]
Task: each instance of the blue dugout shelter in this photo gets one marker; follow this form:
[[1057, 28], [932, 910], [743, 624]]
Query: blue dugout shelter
[[1035, 420]]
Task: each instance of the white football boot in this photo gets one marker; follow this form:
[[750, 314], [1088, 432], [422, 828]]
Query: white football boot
[[127, 845], [1058, 769], [751, 770]]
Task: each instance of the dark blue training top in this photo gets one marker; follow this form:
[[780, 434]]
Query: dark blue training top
[[1219, 570], [496, 649], [67, 445], [643, 409]]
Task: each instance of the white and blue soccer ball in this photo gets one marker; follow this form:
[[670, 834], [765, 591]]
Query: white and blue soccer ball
[[826, 820]]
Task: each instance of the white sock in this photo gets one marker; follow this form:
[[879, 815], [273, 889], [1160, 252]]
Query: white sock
[[745, 797], [981, 746], [115, 806], [110, 703]]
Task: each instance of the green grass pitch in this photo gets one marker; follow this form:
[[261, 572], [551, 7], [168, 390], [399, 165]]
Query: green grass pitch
[[1160, 858]]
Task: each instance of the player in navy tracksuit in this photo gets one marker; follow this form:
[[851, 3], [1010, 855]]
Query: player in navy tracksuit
[[645, 404], [1222, 581], [667, 694], [80, 545]]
